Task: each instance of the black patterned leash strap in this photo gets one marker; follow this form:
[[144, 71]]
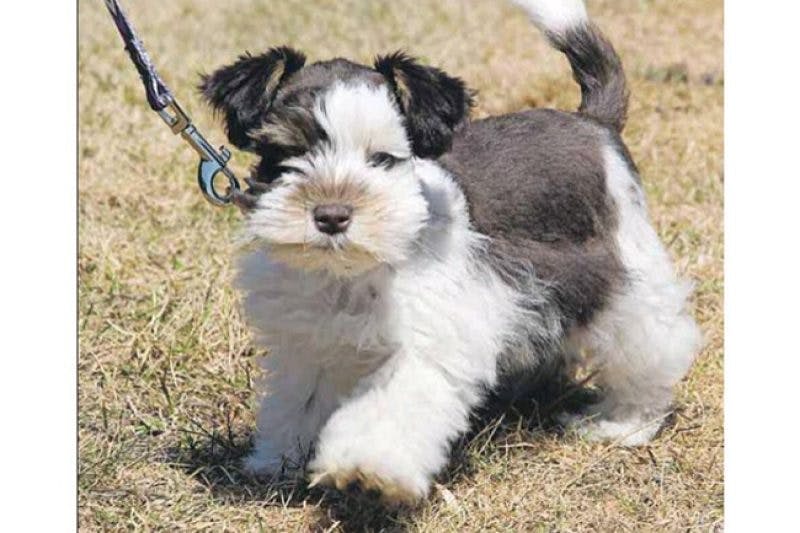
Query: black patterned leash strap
[[161, 100]]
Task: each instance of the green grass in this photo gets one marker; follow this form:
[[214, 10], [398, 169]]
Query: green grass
[[166, 365]]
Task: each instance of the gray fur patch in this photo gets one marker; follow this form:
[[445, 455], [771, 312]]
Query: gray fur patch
[[303, 86], [536, 186], [293, 128]]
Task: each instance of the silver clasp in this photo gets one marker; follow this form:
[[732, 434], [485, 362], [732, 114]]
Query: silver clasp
[[212, 162]]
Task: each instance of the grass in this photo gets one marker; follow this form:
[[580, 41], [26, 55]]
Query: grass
[[166, 365]]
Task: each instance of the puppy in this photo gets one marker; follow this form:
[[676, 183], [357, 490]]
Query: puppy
[[401, 258]]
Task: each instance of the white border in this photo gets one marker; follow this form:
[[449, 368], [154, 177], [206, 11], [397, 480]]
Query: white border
[[38, 279], [762, 229]]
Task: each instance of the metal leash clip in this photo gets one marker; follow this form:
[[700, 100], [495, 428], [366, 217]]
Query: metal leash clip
[[211, 161], [160, 99]]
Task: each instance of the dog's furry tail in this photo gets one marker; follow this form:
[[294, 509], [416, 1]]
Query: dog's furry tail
[[595, 64]]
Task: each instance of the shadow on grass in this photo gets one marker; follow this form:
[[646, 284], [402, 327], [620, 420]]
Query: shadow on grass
[[215, 462], [214, 459]]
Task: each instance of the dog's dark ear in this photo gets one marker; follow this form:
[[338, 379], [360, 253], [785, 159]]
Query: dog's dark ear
[[433, 103], [244, 90]]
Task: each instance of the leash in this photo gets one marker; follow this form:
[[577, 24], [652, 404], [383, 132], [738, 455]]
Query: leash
[[161, 100]]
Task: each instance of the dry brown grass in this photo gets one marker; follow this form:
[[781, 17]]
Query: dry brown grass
[[166, 365]]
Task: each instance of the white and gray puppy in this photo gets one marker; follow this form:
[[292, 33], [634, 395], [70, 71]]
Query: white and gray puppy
[[401, 258]]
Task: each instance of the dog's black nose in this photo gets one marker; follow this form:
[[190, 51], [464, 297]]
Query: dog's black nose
[[332, 218]]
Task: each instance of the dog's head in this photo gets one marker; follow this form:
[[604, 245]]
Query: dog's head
[[335, 188]]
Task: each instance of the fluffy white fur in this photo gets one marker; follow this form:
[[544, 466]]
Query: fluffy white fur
[[554, 16]]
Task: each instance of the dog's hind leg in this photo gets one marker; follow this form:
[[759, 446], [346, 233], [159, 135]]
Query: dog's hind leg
[[643, 343], [644, 340]]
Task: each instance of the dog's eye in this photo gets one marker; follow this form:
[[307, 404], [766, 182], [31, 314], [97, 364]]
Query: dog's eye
[[289, 168], [384, 159]]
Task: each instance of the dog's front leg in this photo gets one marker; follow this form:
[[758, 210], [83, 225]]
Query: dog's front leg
[[395, 433], [289, 417]]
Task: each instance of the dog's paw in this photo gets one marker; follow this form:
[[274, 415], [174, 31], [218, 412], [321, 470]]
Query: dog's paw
[[392, 491], [632, 431], [397, 482]]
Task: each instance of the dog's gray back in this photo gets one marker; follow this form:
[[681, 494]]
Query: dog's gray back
[[536, 185]]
